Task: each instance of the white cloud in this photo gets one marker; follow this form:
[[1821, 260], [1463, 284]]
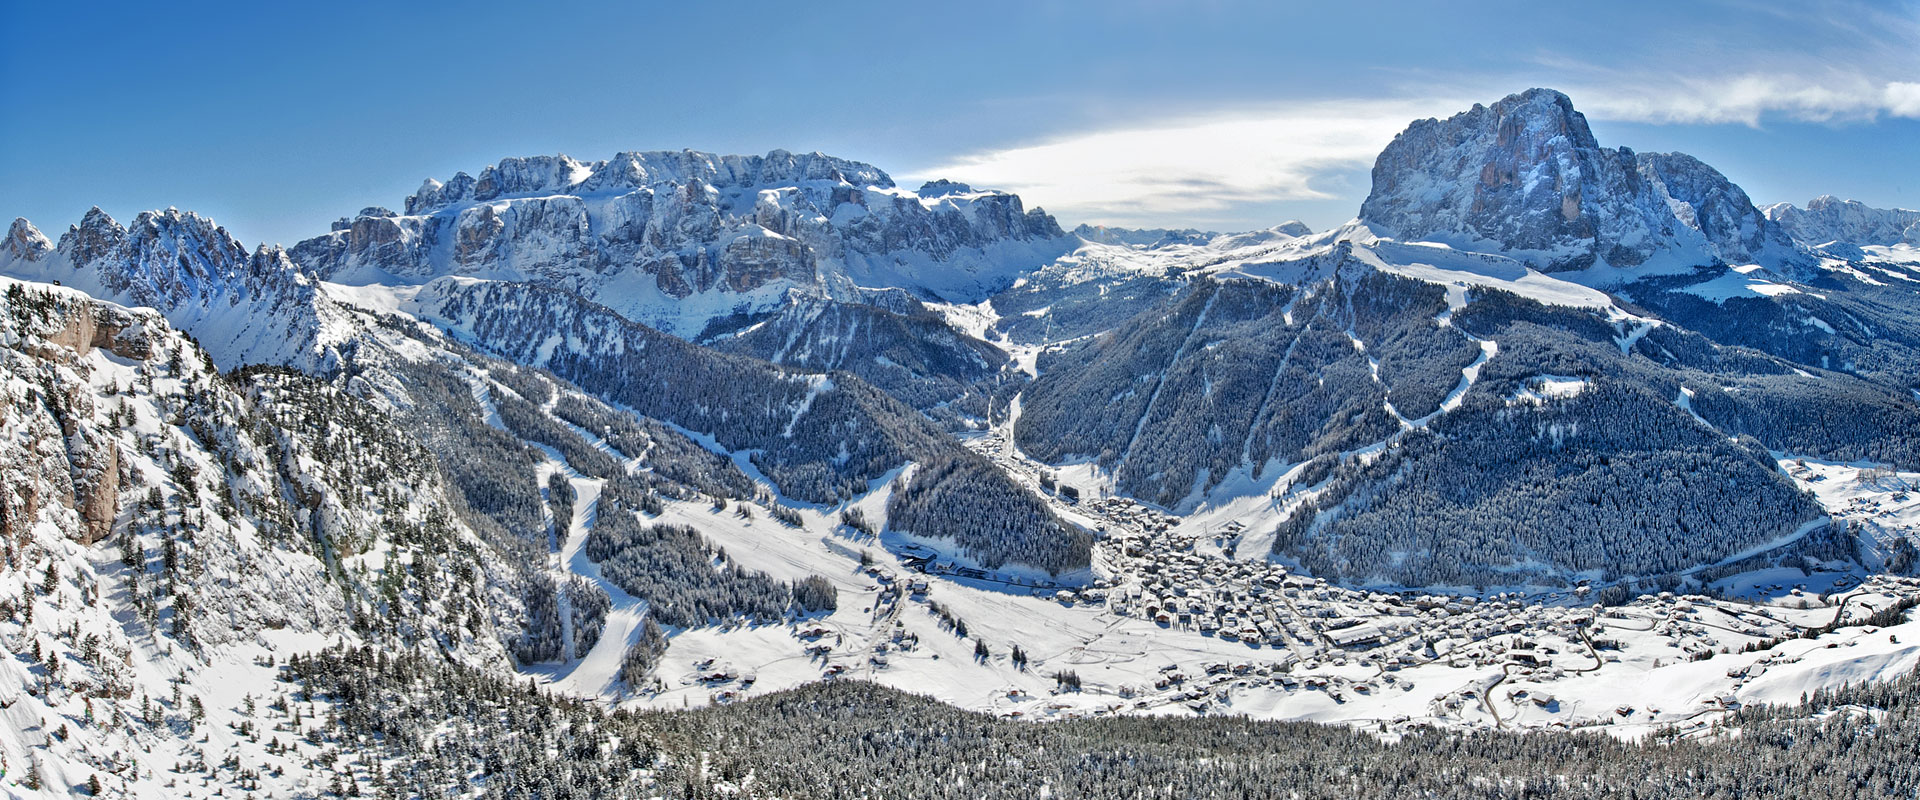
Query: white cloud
[[1750, 98], [1184, 169], [1903, 99]]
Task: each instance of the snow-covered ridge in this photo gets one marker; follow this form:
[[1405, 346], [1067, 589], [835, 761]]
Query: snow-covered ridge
[[244, 308], [1829, 220], [626, 171], [679, 239]]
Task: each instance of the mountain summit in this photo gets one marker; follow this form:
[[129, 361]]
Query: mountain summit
[[1525, 176]]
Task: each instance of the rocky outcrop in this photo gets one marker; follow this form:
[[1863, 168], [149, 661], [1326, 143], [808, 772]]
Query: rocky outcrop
[[80, 464], [97, 326], [1526, 177], [96, 483]]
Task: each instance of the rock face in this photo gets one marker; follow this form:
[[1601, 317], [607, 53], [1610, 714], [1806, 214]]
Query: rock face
[[1705, 201], [105, 327], [80, 459], [1525, 176], [676, 239], [1830, 219]]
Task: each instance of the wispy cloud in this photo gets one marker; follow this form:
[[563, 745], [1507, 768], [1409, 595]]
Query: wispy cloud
[[1751, 61], [1183, 169], [1752, 98]]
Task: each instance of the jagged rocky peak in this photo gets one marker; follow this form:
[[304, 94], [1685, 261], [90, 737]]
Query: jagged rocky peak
[[560, 174], [1829, 219], [1145, 237], [25, 242], [95, 237], [172, 241], [1526, 177], [173, 255], [245, 306]]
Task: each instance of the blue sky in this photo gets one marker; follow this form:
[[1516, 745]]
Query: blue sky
[[275, 118]]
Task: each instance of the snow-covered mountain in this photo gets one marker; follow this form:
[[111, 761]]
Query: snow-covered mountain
[[1828, 219], [678, 239], [675, 428], [906, 349], [1526, 177], [243, 307], [820, 436], [1349, 376]]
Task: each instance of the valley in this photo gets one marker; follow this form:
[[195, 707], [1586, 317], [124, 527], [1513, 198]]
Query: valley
[[574, 456]]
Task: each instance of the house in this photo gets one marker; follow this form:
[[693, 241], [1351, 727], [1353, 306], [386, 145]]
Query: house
[[1356, 636]]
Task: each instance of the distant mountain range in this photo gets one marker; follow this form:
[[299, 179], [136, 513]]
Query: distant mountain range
[[676, 240]]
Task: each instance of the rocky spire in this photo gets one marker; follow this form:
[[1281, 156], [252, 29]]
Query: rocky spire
[[25, 242]]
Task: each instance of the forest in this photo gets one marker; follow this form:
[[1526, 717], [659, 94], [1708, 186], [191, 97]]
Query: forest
[[686, 581], [416, 725], [966, 499]]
